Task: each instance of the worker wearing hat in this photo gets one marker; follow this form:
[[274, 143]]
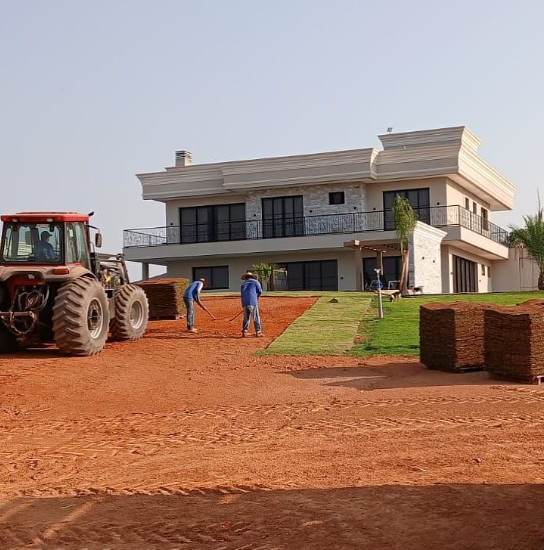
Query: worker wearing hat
[[251, 291], [44, 249]]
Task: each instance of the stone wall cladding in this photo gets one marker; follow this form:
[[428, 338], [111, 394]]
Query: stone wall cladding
[[316, 199], [426, 259]]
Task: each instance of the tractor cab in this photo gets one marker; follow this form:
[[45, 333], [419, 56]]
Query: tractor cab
[[46, 239]]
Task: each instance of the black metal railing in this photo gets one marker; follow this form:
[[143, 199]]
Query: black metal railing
[[303, 226]]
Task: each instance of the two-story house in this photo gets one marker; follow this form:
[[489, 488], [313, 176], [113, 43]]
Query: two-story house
[[304, 213]]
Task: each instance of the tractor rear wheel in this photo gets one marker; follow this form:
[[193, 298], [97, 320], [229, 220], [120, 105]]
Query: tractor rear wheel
[[81, 317], [131, 313], [8, 342]]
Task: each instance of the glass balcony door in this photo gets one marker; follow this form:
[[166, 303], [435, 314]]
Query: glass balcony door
[[283, 217]]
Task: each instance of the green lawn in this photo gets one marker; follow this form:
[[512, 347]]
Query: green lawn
[[398, 332], [325, 329]]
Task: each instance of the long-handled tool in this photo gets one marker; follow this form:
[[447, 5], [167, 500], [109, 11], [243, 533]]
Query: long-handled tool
[[236, 316], [208, 312]]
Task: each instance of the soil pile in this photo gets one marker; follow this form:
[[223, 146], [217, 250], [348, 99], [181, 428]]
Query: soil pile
[[165, 297], [514, 342], [452, 335]]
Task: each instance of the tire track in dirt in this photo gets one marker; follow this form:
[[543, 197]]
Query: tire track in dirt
[[91, 444], [167, 535], [144, 435], [142, 420]]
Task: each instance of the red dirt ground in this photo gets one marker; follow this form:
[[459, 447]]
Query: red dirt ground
[[190, 441]]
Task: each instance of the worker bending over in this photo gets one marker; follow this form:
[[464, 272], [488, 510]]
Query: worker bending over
[[251, 291], [190, 296]]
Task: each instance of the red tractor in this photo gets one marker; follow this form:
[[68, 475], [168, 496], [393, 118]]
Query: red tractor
[[54, 286]]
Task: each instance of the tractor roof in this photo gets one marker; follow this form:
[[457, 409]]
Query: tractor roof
[[46, 217]]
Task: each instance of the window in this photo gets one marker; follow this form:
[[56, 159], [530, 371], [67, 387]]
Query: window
[[474, 208], [483, 270], [464, 275], [485, 219], [222, 222], [32, 242], [337, 197], [77, 251], [391, 271], [318, 275], [418, 198], [489, 271], [283, 217], [467, 203], [217, 277]]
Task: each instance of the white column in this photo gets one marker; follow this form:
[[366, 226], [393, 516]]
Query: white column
[[145, 271], [358, 269]]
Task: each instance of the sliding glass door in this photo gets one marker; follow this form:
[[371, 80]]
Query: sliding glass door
[[313, 275], [418, 198], [221, 222], [283, 217]]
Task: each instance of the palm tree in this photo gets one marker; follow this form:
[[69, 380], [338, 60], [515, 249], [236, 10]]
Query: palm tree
[[405, 221], [265, 272], [532, 238]]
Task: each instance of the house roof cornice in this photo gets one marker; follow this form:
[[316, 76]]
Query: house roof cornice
[[451, 152]]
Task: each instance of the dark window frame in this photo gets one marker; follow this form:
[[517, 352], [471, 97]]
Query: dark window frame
[[334, 195], [306, 279], [484, 212], [214, 229], [464, 275], [210, 285], [392, 267], [423, 211], [283, 216]]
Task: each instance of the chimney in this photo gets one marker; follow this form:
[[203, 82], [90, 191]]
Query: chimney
[[183, 158]]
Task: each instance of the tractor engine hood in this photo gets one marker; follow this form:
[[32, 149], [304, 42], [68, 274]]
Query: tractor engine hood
[[39, 274]]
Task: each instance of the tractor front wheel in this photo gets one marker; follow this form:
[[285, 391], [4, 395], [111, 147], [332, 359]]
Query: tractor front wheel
[[131, 313], [81, 317]]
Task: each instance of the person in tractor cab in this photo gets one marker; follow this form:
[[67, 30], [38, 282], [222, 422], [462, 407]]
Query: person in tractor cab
[[44, 249], [190, 296]]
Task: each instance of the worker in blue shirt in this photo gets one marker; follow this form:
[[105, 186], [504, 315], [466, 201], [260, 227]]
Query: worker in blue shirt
[[190, 296], [251, 291]]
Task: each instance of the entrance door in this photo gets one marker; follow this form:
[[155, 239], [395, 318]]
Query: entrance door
[[464, 275], [283, 217]]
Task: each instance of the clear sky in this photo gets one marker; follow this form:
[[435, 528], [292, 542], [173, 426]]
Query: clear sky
[[95, 91]]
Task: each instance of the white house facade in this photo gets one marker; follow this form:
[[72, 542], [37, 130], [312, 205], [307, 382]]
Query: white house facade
[[304, 212]]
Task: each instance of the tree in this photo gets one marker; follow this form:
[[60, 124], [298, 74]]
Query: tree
[[405, 221], [265, 272], [532, 238]]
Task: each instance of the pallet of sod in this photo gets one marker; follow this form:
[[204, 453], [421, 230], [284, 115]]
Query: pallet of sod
[[165, 297], [451, 336], [514, 343]]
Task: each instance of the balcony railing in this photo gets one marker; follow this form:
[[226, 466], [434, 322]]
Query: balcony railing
[[330, 224]]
